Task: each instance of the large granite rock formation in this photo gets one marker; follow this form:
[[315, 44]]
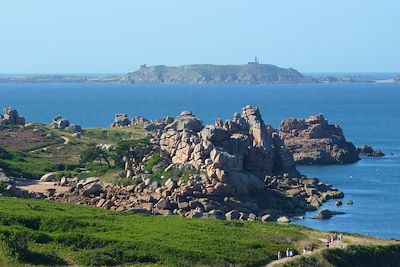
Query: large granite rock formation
[[11, 117], [315, 141], [238, 169], [239, 153]]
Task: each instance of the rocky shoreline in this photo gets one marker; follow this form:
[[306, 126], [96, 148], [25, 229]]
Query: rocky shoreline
[[235, 169], [240, 169]]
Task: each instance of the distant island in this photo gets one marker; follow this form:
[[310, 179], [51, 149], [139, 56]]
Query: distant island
[[250, 73]]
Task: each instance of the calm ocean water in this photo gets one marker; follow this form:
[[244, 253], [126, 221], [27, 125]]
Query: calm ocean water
[[368, 114]]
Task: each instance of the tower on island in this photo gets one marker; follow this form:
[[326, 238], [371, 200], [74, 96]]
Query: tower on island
[[255, 61]]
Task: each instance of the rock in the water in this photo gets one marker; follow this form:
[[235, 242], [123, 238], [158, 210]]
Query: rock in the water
[[326, 214], [314, 141], [367, 150], [338, 203]]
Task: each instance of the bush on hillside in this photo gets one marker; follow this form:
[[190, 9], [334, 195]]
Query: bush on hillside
[[15, 244]]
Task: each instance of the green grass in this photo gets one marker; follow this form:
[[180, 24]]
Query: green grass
[[79, 235], [18, 161], [113, 135], [354, 255], [21, 164], [363, 255]]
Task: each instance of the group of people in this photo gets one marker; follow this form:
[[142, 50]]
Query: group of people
[[332, 238], [311, 247], [289, 253]]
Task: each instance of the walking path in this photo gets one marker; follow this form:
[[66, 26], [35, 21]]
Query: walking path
[[335, 244], [38, 186]]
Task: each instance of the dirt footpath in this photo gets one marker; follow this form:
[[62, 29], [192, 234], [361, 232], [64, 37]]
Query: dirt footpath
[[335, 244], [38, 186]]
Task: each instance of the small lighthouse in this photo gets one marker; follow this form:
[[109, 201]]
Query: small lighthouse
[[255, 61]]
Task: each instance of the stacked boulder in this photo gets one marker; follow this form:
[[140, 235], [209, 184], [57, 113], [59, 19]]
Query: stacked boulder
[[11, 117], [315, 141], [238, 154], [64, 124], [121, 120]]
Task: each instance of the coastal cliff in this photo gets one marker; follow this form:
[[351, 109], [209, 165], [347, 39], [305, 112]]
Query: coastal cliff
[[205, 73]]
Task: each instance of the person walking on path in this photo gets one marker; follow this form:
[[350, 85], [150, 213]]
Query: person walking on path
[[304, 250], [340, 236], [279, 255]]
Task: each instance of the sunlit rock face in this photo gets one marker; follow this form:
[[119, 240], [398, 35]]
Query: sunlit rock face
[[315, 141]]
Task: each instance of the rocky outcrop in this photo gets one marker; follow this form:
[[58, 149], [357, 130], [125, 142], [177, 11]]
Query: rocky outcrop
[[193, 74], [238, 153], [122, 120], [59, 123], [315, 141], [64, 124], [239, 169], [11, 117], [367, 150]]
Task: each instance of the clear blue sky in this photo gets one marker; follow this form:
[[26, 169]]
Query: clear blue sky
[[97, 36]]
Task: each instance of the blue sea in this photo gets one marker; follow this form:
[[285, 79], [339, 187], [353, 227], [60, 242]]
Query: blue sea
[[368, 114]]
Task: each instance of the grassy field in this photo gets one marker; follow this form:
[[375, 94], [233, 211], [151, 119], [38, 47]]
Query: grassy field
[[64, 234], [31, 154], [77, 235], [354, 255]]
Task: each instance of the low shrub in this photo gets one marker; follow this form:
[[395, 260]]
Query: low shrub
[[115, 254], [15, 244], [364, 256], [82, 241]]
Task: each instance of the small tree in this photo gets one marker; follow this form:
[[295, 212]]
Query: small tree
[[132, 149], [93, 153]]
